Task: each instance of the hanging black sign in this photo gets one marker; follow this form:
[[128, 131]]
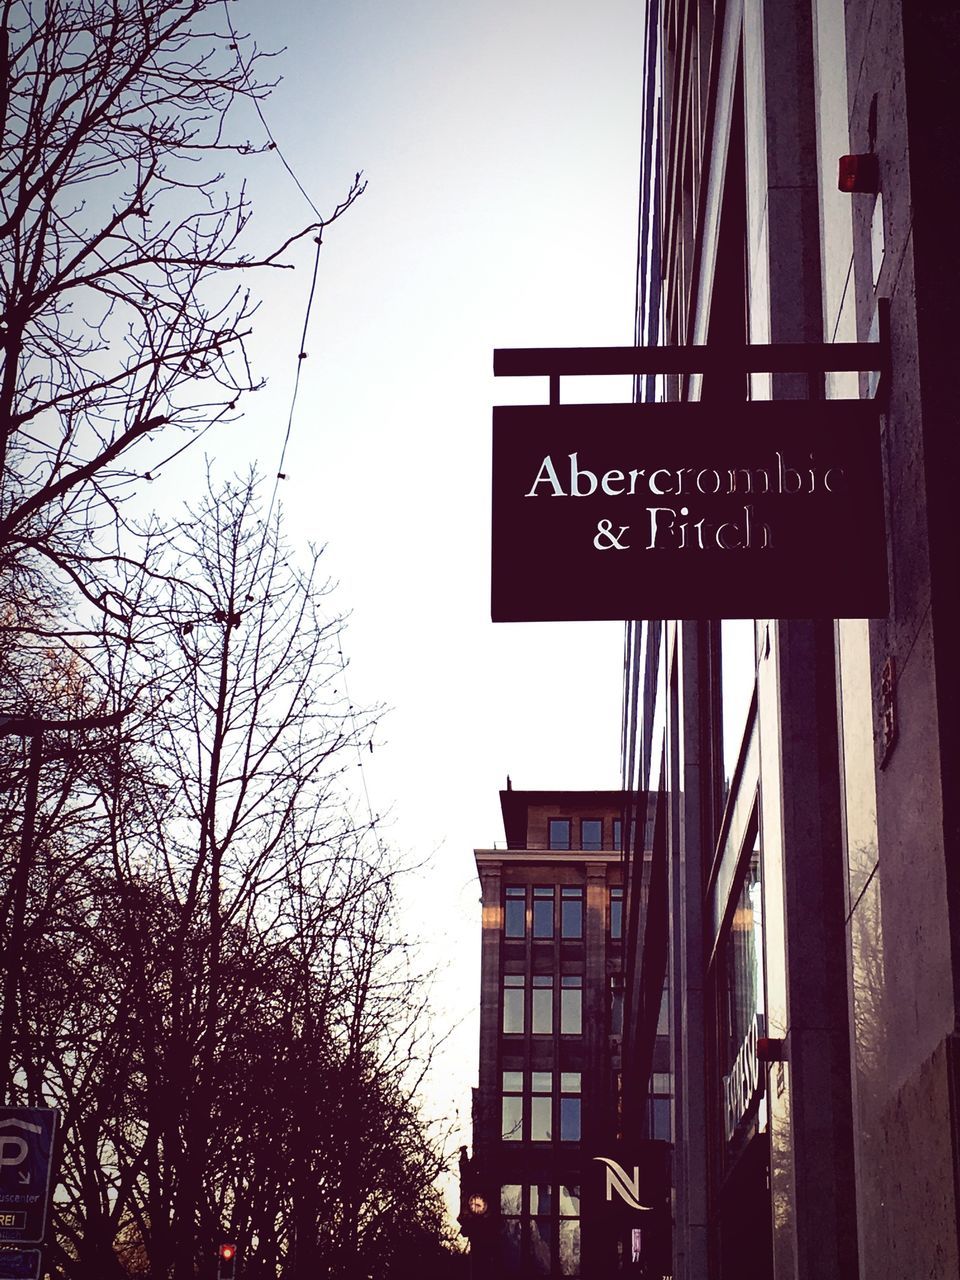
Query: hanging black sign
[[770, 509]]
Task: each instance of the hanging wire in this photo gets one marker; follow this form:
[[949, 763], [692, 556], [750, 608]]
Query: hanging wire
[[356, 190]]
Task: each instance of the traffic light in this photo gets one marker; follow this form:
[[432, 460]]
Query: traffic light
[[227, 1262]]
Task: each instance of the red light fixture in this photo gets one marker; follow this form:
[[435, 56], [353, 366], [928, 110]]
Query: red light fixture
[[226, 1262], [859, 174], [770, 1049]]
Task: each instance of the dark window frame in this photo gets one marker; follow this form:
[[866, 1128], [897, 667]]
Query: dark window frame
[[514, 1091], [541, 893], [514, 893], [513, 982], [541, 982], [571, 1094], [561, 847], [574, 895], [595, 843], [616, 902], [571, 982]]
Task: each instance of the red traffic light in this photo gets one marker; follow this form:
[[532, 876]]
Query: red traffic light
[[228, 1252]]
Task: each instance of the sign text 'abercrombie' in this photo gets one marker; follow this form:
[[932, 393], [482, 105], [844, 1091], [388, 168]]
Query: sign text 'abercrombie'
[[766, 509]]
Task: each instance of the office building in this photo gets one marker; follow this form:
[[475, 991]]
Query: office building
[[549, 1109], [800, 185]]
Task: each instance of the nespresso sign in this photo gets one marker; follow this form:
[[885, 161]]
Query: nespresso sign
[[686, 510]]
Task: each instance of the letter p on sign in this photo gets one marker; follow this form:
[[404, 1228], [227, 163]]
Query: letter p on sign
[[13, 1150]]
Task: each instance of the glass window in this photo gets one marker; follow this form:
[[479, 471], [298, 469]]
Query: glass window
[[542, 1004], [543, 912], [511, 1113], [570, 1106], [569, 1247], [616, 913], [541, 1199], [541, 1202], [569, 1202], [660, 1118], [571, 1005], [510, 1197], [540, 1246], [616, 1004], [515, 912], [617, 833], [511, 1237], [541, 1107], [738, 666], [571, 912], [591, 833], [559, 831], [513, 1004], [663, 1018], [742, 1000]]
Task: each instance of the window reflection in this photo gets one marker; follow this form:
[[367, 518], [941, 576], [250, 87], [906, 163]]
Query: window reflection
[[510, 1194], [571, 1005], [543, 911], [541, 1107], [738, 667], [515, 912], [571, 912], [742, 1005], [540, 1246], [513, 1004], [540, 1229], [570, 1248], [542, 1004]]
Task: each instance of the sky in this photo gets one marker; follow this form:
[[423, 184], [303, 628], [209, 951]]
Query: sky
[[500, 143]]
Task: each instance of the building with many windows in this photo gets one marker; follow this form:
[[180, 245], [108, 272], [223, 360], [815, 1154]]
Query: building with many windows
[[801, 186], [549, 1101]]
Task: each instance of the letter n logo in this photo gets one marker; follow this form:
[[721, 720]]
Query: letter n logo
[[628, 1189]]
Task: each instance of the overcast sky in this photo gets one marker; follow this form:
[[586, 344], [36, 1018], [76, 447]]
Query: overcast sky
[[500, 141]]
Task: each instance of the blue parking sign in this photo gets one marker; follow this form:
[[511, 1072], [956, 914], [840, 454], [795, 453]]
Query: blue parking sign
[[26, 1165]]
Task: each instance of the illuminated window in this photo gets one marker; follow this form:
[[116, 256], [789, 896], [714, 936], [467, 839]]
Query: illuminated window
[[515, 912], [513, 1004], [571, 1005]]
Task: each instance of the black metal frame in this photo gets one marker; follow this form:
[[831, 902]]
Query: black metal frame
[[786, 357]]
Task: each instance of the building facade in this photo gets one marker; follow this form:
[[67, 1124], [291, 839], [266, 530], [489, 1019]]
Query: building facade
[[809, 909], [548, 1121]]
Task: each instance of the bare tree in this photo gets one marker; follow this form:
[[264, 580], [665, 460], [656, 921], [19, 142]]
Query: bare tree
[[122, 318], [214, 991], [220, 1000]]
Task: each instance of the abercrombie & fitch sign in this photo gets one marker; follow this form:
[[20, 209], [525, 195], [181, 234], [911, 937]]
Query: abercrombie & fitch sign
[[765, 509]]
